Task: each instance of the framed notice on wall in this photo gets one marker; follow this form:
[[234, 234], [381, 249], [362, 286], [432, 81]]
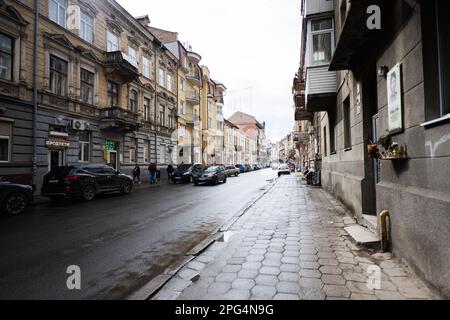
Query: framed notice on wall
[[395, 103]]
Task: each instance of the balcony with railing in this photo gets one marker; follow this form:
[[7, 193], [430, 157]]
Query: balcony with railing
[[195, 58], [118, 63], [117, 118], [194, 77], [193, 97]]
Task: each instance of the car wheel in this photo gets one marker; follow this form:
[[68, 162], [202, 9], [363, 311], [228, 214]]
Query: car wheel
[[196, 183], [89, 193], [236, 174], [216, 181], [225, 180], [126, 188], [15, 203]]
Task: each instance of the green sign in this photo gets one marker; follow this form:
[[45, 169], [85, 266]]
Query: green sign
[[110, 145]]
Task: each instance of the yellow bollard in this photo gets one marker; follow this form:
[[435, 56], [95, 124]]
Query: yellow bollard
[[384, 221]]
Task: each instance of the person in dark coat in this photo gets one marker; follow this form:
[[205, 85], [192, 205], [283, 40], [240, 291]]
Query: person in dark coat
[[137, 174], [152, 173], [170, 171]]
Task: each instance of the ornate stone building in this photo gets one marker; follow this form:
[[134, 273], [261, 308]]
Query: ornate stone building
[[106, 89]]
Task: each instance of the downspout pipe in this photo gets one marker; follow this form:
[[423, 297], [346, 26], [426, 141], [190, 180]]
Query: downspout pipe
[[35, 93]]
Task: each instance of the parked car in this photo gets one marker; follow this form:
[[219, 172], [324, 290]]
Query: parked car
[[283, 169], [232, 171], [248, 168], [197, 170], [85, 181], [241, 168], [212, 175], [15, 198], [183, 174], [256, 167]]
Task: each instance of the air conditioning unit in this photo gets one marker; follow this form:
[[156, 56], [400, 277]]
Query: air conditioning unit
[[80, 125]]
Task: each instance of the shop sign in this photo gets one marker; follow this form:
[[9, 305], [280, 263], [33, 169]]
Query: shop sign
[[394, 86], [57, 144], [110, 145]]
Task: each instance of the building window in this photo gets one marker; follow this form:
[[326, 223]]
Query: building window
[[113, 94], [146, 67], [321, 32], [145, 151], [5, 141], [6, 57], [58, 76], [84, 140], [171, 119], [347, 125], [87, 86], [436, 51], [133, 106], [182, 107], [162, 116], [161, 77], [112, 43], [169, 82], [87, 27], [132, 55], [58, 11], [146, 109], [133, 150], [182, 85]]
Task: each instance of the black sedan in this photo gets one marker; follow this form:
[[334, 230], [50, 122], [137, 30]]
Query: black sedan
[[183, 174], [14, 198], [212, 175], [85, 181]]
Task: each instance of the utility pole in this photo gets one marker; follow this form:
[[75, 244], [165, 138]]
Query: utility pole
[[35, 93]]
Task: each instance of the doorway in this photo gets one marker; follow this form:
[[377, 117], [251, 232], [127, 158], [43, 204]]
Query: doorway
[[56, 159], [112, 159]]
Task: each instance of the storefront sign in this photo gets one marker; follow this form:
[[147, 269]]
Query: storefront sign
[[394, 90], [110, 145], [57, 144]]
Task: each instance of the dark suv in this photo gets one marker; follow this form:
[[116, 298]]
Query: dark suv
[[14, 198], [85, 181]]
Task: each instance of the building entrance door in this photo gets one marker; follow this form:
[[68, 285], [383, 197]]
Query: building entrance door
[[112, 159], [56, 159]]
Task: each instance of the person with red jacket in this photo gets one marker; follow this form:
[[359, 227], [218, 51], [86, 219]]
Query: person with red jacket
[[152, 169]]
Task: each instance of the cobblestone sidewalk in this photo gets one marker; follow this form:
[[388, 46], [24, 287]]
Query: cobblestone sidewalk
[[291, 245]]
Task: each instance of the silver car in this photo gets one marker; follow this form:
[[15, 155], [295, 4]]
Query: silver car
[[232, 171]]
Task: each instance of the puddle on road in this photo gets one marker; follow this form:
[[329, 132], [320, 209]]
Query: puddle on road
[[226, 236]]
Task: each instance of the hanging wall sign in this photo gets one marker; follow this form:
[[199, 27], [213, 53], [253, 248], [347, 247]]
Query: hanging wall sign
[[395, 103]]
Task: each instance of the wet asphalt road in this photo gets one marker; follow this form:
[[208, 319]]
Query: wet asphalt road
[[119, 242]]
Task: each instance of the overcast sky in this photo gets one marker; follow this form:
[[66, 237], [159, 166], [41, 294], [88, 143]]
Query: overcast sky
[[251, 46]]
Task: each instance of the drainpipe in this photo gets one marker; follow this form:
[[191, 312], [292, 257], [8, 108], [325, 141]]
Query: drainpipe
[[35, 93]]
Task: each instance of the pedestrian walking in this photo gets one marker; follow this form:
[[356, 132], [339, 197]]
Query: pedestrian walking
[[152, 172], [137, 174], [170, 171]]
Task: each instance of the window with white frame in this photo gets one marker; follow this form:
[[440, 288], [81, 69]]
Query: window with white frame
[[182, 84], [87, 27], [145, 151], [132, 55], [87, 86], [146, 67], [6, 57], [58, 75], [112, 42], [169, 82], [58, 11], [161, 77], [84, 141], [133, 150], [5, 141], [162, 116], [322, 40], [182, 107], [146, 109]]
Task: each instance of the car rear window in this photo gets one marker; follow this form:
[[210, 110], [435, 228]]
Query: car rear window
[[62, 171]]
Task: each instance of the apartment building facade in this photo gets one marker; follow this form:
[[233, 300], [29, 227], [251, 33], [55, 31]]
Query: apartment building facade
[[97, 95], [389, 93]]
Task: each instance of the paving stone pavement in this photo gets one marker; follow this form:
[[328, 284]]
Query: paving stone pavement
[[291, 245]]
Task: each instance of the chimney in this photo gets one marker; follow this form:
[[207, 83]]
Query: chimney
[[144, 20]]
